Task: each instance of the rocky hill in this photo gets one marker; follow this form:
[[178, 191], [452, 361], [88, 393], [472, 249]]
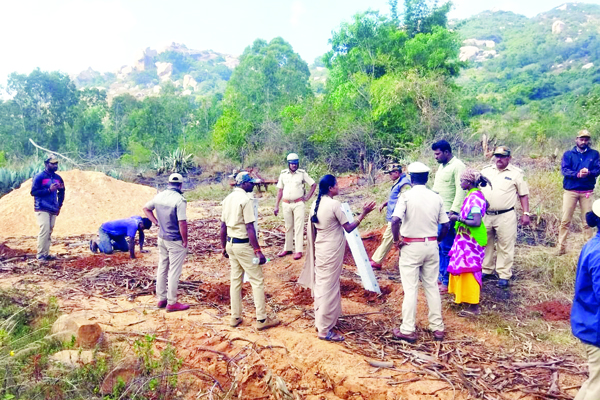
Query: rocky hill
[[523, 71], [194, 71]]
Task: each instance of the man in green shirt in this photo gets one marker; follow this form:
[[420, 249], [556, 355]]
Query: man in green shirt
[[447, 185]]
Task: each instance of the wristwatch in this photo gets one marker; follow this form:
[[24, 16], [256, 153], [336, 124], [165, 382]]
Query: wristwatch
[[527, 213]]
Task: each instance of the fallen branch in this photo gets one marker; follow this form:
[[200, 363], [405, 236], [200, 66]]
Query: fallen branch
[[54, 152]]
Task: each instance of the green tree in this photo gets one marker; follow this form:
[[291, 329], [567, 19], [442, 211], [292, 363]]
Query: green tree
[[420, 17], [387, 88], [119, 129], [269, 78], [46, 101]]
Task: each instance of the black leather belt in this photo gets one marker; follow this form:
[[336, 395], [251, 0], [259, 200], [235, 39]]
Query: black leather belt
[[236, 240], [489, 212]]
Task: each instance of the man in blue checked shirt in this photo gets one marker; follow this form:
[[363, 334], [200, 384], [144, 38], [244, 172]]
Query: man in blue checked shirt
[[401, 184]]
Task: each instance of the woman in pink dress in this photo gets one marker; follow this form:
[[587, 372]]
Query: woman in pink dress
[[468, 250]]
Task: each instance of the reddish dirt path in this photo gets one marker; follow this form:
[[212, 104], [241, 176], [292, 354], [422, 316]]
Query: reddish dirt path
[[310, 368]]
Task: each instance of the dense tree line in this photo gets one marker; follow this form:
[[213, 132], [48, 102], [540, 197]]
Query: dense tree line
[[392, 84]]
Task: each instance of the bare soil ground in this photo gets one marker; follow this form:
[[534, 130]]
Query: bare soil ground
[[488, 357]]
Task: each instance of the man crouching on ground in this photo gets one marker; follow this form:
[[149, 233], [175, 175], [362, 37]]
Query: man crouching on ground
[[240, 245], [119, 235], [171, 218]]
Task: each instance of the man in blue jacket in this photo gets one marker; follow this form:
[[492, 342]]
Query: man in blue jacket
[[585, 313], [401, 184], [48, 191], [580, 167]]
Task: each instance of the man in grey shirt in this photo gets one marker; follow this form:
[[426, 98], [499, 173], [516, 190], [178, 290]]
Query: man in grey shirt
[[170, 206]]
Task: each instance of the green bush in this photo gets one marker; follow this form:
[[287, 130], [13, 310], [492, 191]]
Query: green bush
[[138, 155]]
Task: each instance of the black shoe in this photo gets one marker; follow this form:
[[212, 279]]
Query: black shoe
[[503, 283], [488, 277]]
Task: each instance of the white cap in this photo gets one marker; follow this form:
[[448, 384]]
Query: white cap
[[175, 178], [596, 207], [292, 157], [417, 168]]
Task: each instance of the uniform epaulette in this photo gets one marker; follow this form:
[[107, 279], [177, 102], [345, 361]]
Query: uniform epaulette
[[515, 168], [488, 166], [300, 170], [285, 170]]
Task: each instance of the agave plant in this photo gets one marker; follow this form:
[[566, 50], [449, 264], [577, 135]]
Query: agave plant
[[12, 178], [179, 161], [160, 165]]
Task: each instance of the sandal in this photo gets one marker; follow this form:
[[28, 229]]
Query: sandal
[[332, 337], [467, 313]]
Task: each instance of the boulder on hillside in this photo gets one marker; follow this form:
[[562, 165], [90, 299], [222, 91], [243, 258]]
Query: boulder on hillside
[[87, 334], [468, 53], [480, 43], [189, 82], [486, 55], [87, 76], [144, 59], [124, 72], [164, 70], [558, 27]]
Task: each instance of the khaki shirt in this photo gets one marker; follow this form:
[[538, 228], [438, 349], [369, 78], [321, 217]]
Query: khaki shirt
[[420, 210], [293, 183], [170, 206], [447, 184], [238, 210], [507, 186]]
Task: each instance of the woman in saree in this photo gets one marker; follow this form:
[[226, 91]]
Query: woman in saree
[[468, 250], [325, 256]]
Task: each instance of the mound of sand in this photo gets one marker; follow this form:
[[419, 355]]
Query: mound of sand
[[91, 198]]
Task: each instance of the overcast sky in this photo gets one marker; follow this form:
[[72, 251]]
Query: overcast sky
[[72, 35]]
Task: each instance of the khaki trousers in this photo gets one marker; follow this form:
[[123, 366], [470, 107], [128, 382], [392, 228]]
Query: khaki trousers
[[501, 233], [590, 390], [420, 259], [240, 258], [570, 199], [171, 255], [293, 216], [386, 244], [46, 222]]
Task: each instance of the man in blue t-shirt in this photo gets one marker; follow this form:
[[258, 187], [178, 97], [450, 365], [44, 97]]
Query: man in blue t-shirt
[[115, 235]]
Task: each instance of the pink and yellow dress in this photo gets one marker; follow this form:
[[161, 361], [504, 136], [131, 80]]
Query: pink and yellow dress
[[468, 251]]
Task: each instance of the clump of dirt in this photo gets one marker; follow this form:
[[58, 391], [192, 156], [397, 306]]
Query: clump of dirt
[[102, 260], [354, 290], [6, 252], [554, 310], [91, 198], [218, 292], [299, 296]]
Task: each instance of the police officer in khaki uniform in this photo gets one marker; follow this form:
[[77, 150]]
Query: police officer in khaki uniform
[[240, 245], [415, 230], [500, 220], [292, 191]]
